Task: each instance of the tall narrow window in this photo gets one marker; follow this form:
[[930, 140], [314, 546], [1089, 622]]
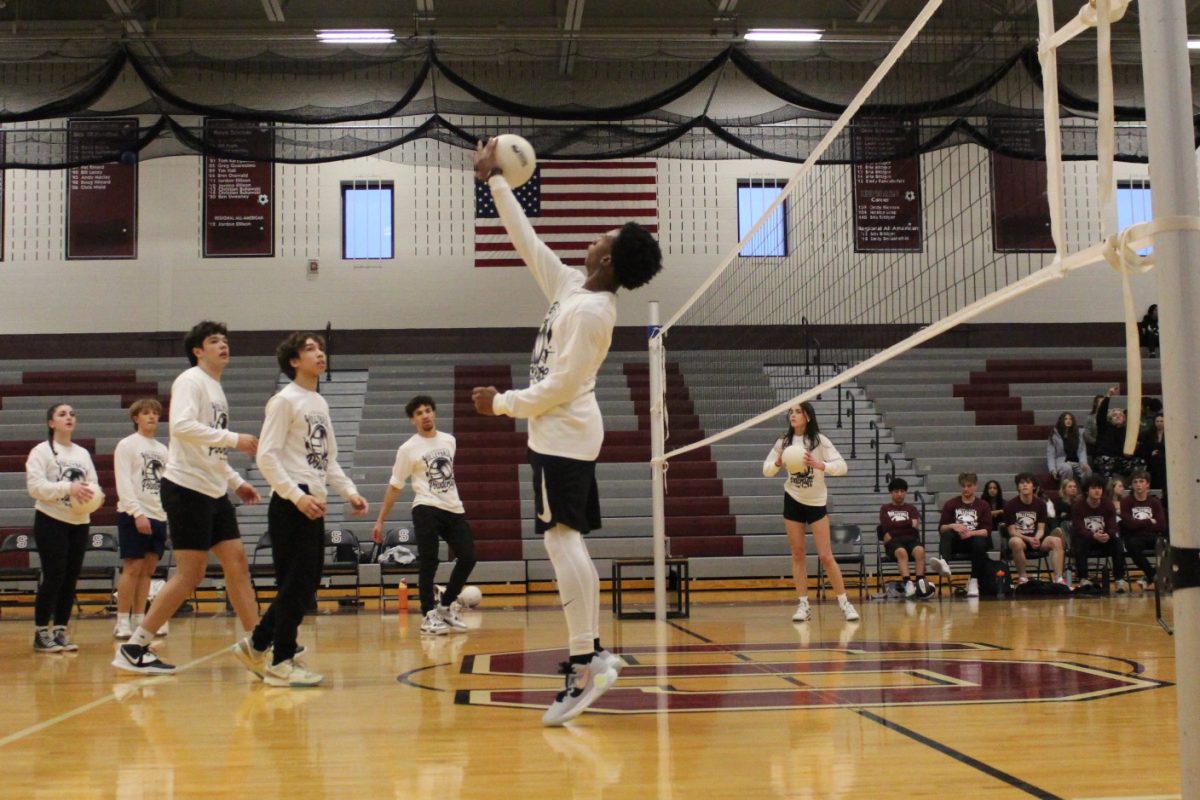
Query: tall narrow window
[[367, 220], [1133, 206], [754, 196]]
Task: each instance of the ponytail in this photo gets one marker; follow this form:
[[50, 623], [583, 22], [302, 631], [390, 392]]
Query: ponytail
[[50, 431]]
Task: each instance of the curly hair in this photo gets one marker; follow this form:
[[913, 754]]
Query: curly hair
[[196, 336], [636, 257]]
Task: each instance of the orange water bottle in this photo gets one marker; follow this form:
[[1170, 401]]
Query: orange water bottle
[[403, 596]]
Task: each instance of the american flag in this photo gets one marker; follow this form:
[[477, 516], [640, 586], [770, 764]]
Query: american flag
[[569, 203]]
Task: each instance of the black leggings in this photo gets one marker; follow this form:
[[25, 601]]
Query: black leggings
[[298, 552], [976, 548], [432, 523], [60, 548], [1084, 547], [1136, 546]]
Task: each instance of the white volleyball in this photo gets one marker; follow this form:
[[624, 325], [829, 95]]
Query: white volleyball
[[91, 505], [793, 458], [515, 158]]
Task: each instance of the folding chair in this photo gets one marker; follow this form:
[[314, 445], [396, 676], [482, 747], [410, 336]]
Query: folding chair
[[262, 565], [18, 543], [339, 539], [107, 568], [847, 544], [884, 562], [391, 538]]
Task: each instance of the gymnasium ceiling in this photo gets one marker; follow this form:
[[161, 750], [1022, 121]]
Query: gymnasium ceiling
[[549, 29]]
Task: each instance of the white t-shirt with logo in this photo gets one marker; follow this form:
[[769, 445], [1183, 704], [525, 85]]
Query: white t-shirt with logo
[[297, 446], [139, 462], [49, 474], [200, 436], [429, 461], [807, 487]]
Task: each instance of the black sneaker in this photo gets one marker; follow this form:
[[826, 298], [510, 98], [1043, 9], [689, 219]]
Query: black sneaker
[[138, 658], [43, 642], [63, 641]]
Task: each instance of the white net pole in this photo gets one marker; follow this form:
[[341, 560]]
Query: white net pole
[[657, 467], [1167, 78]]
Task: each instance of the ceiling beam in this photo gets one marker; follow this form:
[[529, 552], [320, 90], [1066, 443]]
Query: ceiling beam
[[870, 10], [273, 10], [572, 24]]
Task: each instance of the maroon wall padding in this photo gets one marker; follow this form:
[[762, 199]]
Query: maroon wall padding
[[698, 546], [80, 376], [21, 447]]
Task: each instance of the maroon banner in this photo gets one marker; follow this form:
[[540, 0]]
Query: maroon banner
[[239, 194], [102, 197], [1020, 208], [887, 191]]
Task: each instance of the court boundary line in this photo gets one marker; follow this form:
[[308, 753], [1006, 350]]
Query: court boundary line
[[138, 683], [962, 758]]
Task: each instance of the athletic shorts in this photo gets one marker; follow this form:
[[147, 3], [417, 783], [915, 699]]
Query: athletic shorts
[[134, 544], [564, 493], [798, 512], [197, 521], [907, 544]]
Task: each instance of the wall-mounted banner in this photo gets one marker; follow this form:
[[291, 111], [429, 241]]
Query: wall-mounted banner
[[1020, 210], [239, 194], [887, 191], [102, 198]]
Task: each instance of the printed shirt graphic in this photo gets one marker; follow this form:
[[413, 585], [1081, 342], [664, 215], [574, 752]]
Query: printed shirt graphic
[[49, 475], [1025, 516], [139, 462], [429, 461], [200, 437], [297, 446], [560, 402], [976, 515], [1089, 521], [899, 520], [1142, 517], [807, 486]]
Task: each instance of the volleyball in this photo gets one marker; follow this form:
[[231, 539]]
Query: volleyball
[[470, 596], [91, 505], [793, 458], [515, 158]]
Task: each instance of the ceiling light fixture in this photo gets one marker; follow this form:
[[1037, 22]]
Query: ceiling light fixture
[[357, 35], [783, 35]]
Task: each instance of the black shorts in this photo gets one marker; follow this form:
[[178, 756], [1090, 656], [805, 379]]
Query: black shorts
[[134, 544], [798, 512], [907, 544], [564, 493], [197, 521]]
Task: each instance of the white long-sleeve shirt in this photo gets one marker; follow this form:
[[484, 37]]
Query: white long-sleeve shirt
[[200, 437], [560, 403], [49, 475], [429, 461], [139, 462], [808, 486], [297, 446]]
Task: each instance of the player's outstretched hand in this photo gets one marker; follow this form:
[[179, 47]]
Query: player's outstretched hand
[[248, 494], [482, 396], [484, 159]]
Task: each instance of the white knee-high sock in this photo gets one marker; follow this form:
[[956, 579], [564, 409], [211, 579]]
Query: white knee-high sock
[[578, 586]]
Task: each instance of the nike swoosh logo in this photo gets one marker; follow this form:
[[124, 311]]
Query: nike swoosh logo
[[545, 515]]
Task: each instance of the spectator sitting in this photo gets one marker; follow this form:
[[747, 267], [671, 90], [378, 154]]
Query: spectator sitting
[[1068, 493], [900, 530], [964, 529], [1110, 457], [1066, 452], [1094, 523], [1026, 529], [1142, 522], [1148, 330], [994, 495]]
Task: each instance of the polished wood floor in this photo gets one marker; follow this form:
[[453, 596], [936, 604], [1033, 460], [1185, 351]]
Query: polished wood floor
[[1043, 698]]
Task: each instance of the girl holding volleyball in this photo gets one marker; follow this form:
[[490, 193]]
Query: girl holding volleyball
[[62, 480], [809, 456]]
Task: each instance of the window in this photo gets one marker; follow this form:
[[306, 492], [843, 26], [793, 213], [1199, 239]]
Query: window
[[367, 220], [753, 198], [1133, 206]]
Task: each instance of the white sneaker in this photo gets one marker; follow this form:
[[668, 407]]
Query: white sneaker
[[1122, 586], [122, 631], [940, 566], [925, 589], [585, 684], [848, 610], [973, 587], [290, 674], [164, 630], [803, 612], [910, 588], [433, 625], [612, 660], [449, 615]]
